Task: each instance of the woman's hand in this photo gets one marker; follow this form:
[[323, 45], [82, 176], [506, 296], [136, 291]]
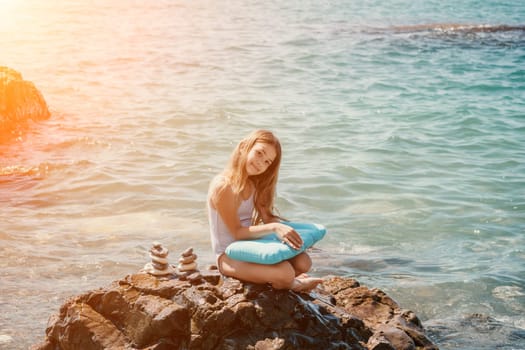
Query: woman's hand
[[288, 235]]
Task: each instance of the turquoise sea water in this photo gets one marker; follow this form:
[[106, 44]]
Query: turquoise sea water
[[407, 143]]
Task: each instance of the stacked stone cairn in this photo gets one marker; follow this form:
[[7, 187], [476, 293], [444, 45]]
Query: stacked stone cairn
[[159, 265], [187, 261]]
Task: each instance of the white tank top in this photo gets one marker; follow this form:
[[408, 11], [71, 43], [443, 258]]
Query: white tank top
[[221, 236]]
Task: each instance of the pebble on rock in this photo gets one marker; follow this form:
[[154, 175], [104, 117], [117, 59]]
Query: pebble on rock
[[187, 261], [159, 265]]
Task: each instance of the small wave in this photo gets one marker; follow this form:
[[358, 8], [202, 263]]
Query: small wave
[[487, 331], [6, 237], [15, 170], [455, 27], [505, 292], [82, 143], [501, 35], [40, 170]]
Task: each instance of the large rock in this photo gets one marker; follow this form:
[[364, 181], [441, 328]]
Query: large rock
[[20, 101], [205, 311]]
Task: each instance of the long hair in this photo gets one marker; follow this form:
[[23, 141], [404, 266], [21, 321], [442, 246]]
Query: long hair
[[235, 175]]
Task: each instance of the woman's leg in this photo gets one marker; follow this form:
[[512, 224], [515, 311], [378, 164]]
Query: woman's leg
[[301, 263], [280, 276]]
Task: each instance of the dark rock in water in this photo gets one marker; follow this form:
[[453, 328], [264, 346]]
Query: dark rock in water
[[20, 101], [205, 311]]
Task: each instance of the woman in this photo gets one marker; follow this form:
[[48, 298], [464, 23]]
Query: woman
[[240, 206]]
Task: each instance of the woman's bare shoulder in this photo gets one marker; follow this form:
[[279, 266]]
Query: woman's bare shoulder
[[221, 191]]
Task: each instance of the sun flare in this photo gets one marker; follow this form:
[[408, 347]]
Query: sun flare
[[7, 3], [6, 11]]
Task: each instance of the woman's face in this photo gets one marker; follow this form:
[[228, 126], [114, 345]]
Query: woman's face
[[260, 157]]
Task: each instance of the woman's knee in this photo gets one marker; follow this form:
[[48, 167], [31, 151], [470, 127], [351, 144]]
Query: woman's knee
[[301, 263], [283, 275]]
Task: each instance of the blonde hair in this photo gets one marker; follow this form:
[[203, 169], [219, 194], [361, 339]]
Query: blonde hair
[[235, 175]]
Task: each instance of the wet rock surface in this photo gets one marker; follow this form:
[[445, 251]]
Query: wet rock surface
[[201, 310], [20, 101]]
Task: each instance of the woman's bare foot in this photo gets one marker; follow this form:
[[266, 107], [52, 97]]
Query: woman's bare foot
[[305, 284]]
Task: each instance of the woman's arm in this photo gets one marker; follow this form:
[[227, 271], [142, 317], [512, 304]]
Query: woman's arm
[[226, 203]]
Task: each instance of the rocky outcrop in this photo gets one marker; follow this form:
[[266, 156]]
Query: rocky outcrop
[[20, 101], [201, 310]]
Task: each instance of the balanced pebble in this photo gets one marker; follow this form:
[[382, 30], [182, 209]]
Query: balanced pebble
[[159, 265], [187, 261]]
